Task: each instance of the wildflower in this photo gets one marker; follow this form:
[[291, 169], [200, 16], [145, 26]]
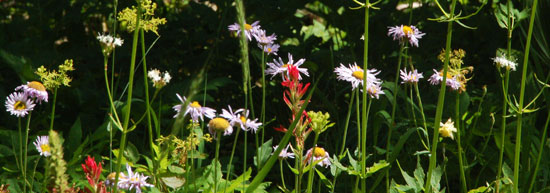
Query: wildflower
[[247, 124], [147, 22], [42, 144], [279, 67], [502, 62], [233, 117], [447, 129], [404, 31], [219, 124], [110, 179], [55, 78], [93, 172], [159, 79], [452, 81], [374, 91], [355, 74], [318, 154], [134, 181], [195, 109], [108, 43], [263, 39], [410, 77], [284, 153], [270, 48], [319, 121], [250, 29], [19, 104], [35, 90]]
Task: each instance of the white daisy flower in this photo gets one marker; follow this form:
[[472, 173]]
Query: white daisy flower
[[219, 124], [159, 79], [134, 181], [410, 77], [42, 144], [194, 109], [452, 82], [247, 124], [231, 116], [374, 90], [502, 62], [250, 29], [270, 48], [263, 39], [284, 153], [110, 180], [404, 31], [19, 104], [279, 67], [318, 154], [35, 90], [447, 129]]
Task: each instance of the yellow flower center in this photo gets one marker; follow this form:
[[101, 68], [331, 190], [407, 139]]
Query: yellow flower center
[[218, 123], [286, 65], [407, 30], [358, 74], [36, 85], [45, 148], [247, 27], [445, 132], [373, 90], [243, 119], [19, 105], [269, 50], [318, 152], [195, 104]]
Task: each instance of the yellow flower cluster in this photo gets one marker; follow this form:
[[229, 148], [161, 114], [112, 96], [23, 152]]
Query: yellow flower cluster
[[455, 67], [53, 79], [148, 22]]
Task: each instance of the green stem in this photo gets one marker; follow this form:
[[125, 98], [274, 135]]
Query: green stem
[[440, 102], [129, 97], [348, 116], [52, 115], [27, 128], [311, 171], [422, 113], [505, 98], [244, 155], [231, 156], [394, 107], [541, 149], [219, 138], [364, 108], [282, 175], [460, 162], [262, 113], [358, 117], [147, 103], [522, 97]]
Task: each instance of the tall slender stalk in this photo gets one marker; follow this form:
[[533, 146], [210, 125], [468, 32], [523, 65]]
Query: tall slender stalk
[[126, 117], [541, 149], [522, 96], [440, 102], [505, 99], [52, 115], [27, 128], [458, 131], [219, 138], [282, 174], [364, 107], [147, 102], [312, 170], [350, 106], [394, 107]]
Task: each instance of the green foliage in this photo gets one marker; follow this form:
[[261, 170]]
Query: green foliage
[[53, 79]]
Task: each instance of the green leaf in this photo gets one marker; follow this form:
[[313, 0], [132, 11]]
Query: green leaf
[[376, 167], [479, 190], [324, 179], [75, 136], [263, 153], [239, 181], [173, 181], [419, 174]]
